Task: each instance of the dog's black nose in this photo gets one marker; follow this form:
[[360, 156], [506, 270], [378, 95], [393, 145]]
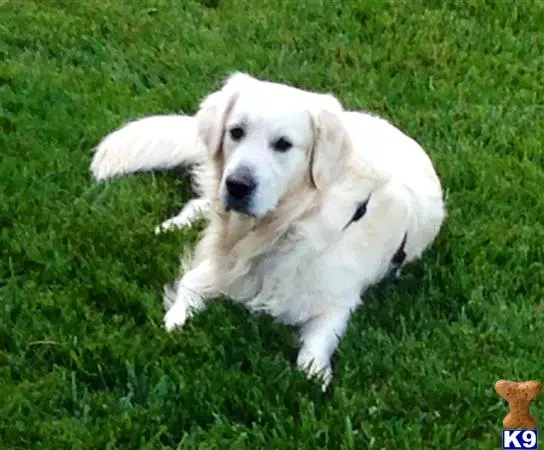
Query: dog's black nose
[[240, 185]]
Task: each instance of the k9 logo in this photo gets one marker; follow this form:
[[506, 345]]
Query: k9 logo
[[523, 439]]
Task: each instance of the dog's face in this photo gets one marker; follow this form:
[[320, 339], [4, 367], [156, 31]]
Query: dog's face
[[266, 136], [264, 146]]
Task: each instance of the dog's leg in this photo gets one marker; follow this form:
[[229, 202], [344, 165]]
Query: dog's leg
[[189, 295], [196, 208], [319, 337]]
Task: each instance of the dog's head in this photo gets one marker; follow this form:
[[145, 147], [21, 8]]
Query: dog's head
[[265, 136]]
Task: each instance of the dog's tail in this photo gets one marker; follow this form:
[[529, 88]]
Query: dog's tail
[[155, 142]]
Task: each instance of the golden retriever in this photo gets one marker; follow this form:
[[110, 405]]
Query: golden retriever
[[307, 204]]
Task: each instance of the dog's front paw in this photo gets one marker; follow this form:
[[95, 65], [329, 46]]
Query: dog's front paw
[[176, 316], [171, 225], [315, 367], [180, 305], [191, 212]]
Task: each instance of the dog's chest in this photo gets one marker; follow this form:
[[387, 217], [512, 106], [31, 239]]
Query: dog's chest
[[299, 278], [282, 281], [314, 266]]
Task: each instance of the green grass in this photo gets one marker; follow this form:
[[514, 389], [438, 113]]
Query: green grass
[[84, 360]]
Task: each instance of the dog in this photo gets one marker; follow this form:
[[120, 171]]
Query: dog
[[308, 204]]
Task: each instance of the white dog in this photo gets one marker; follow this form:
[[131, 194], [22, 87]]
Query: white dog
[[308, 204]]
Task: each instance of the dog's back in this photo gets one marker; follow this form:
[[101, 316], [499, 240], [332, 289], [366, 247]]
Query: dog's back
[[395, 156]]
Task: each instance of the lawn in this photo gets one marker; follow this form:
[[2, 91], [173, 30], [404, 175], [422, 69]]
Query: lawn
[[84, 360]]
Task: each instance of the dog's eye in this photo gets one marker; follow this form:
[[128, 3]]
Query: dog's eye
[[282, 145], [236, 133]]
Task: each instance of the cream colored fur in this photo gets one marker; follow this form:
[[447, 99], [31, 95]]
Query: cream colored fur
[[291, 255]]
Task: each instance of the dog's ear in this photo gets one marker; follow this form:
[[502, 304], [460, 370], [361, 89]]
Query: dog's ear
[[214, 111], [331, 143]]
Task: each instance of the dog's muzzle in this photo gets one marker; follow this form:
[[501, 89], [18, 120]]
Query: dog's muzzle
[[240, 186]]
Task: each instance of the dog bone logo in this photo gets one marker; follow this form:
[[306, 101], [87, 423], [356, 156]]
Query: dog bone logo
[[519, 396]]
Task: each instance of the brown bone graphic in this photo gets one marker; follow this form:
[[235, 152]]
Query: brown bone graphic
[[519, 396]]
